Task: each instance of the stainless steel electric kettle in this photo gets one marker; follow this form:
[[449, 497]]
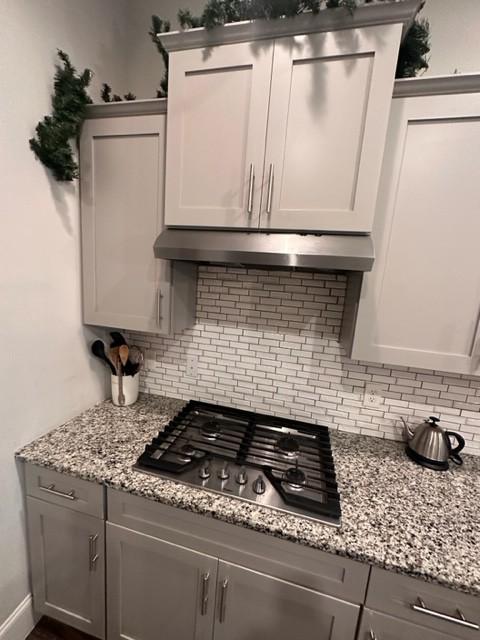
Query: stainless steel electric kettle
[[430, 445]]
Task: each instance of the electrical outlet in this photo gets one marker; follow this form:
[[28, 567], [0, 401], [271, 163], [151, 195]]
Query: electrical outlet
[[191, 370], [372, 396]]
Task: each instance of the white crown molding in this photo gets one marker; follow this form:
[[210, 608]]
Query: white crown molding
[[437, 85], [398, 11], [20, 622], [127, 108]]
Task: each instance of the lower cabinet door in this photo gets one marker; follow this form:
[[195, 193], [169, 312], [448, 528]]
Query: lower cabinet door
[[67, 565], [377, 626], [157, 590], [252, 605]]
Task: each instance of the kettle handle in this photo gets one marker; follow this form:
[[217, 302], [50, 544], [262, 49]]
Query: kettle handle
[[454, 452]]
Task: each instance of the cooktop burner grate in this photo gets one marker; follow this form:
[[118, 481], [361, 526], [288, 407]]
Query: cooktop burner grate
[[276, 462]]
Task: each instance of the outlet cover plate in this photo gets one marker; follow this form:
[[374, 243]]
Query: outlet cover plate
[[372, 396]]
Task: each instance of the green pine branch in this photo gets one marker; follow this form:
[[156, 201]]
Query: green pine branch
[[51, 144]]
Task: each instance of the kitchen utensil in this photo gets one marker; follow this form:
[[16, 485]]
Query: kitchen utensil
[[115, 358], [123, 352], [98, 350], [136, 355], [117, 339], [430, 445]]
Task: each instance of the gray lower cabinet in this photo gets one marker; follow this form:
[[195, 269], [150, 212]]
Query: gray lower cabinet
[[253, 605], [157, 590], [67, 565], [378, 626]]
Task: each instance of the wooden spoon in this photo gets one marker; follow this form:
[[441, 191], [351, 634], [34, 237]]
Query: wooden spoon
[[115, 358], [123, 352]]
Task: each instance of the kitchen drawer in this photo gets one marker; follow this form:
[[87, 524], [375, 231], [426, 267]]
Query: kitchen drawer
[[64, 490], [397, 594], [295, 563], [378, 626]]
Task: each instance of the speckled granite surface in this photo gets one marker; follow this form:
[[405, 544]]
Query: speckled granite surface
[[395, 514]]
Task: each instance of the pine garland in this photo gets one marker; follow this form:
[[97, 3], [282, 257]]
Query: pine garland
[[51, 144], [412, 56], [107, 96]]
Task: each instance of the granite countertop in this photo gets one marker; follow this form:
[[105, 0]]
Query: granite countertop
[[395, 514]]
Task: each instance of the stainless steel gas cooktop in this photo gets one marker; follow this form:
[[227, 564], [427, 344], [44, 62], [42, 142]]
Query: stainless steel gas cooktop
[[275, 462]]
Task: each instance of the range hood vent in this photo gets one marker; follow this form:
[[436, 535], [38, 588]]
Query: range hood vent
[[291, 250]]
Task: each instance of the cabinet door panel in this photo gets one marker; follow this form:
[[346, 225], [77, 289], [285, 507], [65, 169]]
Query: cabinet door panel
[[377, 626], [156, 589], [218, 104], [66, 585], [420, 306], [122, 165], [329, 106], [254, 605]]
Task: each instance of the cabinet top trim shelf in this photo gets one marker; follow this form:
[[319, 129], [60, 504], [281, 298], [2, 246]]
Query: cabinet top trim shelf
[[399, 11], [148, 107], [437, 85]]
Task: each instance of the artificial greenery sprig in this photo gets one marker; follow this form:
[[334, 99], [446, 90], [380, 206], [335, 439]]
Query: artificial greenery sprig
[[107, 96], [51, 143]]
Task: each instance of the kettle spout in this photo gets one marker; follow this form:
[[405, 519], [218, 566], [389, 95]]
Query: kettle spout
[[407, 430]]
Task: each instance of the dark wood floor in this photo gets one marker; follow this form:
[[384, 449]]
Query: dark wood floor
[[48, 629]]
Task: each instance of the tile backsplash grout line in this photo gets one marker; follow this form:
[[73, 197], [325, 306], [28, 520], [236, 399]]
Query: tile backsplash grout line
[[268, 341]]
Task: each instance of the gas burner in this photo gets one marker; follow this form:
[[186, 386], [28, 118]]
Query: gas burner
[[186, 452], [210, 430], [288, 446], [295, 477]]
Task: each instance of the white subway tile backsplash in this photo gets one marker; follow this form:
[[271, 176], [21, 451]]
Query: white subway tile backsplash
[[268, 340]]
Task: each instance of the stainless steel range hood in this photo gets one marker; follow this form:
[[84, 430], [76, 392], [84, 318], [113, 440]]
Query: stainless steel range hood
[[302, 251]]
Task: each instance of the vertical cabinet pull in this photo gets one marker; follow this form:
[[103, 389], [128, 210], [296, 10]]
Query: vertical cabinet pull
[[251, 183], [92, 551], [270, 189], [223, 600], [159, 305], [204, 602], [372, 635]]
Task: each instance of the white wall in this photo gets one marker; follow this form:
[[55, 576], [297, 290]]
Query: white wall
[[46, 372], [454, 28]]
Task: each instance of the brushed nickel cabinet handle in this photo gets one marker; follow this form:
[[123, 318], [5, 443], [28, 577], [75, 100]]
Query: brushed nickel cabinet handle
[[205, 586], [372, 635], [421, 607], [69, 495], [92, 551], [159, 305], [270, 189], [223, 600], [251, 183], [475, 348]]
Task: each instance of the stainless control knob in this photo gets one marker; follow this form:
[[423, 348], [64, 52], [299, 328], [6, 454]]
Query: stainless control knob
[[204, 472], [259, 485], [241, 477], [224, 472]]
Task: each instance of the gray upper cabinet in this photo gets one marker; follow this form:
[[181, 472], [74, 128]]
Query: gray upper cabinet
[[254, 605], [67, 565], [122, 204], [157, 590], [420, 306], [282, 133]]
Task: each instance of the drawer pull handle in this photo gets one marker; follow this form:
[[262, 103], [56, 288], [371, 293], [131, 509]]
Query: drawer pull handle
[[372, 635], [92, 551], [69, 495], [461, 620], [205, 584]]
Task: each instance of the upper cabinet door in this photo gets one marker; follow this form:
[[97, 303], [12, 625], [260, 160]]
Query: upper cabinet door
[[217, 117], [330, 101], [420, 306]]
